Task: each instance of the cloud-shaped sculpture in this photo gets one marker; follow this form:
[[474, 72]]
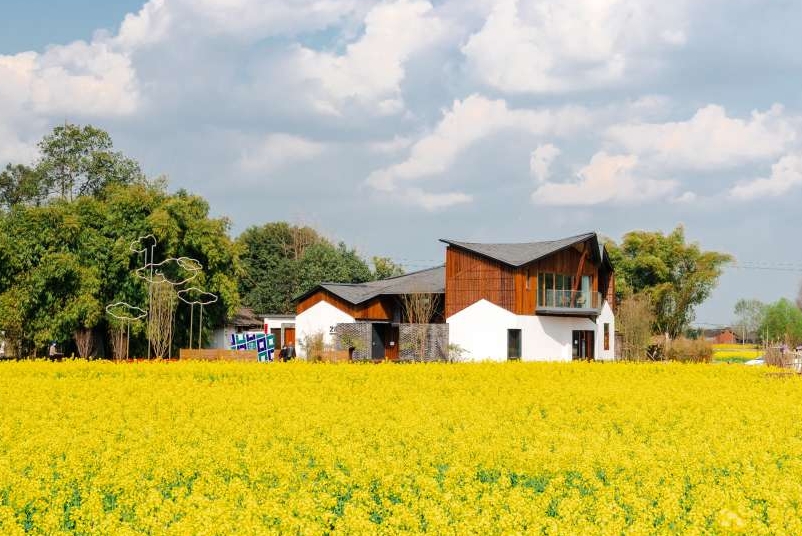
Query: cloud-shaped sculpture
[[155, 272], [201, 298], [125, 311]]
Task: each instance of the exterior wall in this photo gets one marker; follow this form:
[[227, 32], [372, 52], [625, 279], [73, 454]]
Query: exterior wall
[[471, 277], [481, 330], [606, 316], [320, 317]]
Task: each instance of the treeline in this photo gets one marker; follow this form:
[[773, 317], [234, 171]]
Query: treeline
[[66, 226], [660, 279], [770, 323]]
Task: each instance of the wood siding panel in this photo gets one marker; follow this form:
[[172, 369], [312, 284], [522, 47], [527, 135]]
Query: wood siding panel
[[328, 297], [471, 277], [375, 309]]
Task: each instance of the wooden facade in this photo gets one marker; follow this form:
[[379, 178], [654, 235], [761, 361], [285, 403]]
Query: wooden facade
[[471, 277], [379, 308]]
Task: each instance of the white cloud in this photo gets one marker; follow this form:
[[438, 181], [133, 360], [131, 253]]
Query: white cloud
[[786, 174], [606, 179], [710, 139], [686, 197], [436, 201], [278, 150], [87, 79], [541, 159], [162, 20], [396, 144], [467, 122], [556, 46], [372, 68]]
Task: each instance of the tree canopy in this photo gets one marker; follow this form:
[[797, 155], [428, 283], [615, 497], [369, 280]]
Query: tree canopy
[[281, 261], [782, 322], [64, 252], [676, 276]]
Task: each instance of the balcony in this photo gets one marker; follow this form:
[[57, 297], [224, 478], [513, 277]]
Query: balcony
[[569, 303]]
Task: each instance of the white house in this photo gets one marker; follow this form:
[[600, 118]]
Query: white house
[[536, 301]]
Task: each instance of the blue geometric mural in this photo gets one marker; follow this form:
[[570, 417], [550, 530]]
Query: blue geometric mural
[[263, 343]]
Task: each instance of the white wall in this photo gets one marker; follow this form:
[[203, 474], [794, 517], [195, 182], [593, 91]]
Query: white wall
[[481, 330], [608, 317], [321, 317]]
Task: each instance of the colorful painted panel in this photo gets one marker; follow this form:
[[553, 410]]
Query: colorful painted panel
[[263, 343]]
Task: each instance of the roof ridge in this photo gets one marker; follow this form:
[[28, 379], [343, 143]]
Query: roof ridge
[[589, 233]]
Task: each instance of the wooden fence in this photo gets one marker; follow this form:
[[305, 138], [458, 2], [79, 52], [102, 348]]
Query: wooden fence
[[215, 354]]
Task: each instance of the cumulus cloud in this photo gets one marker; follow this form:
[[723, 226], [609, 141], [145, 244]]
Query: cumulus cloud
[[88, 79], [786, 174], [467, 122], [436, 201], [371, 69], [710, 139], [541, 159], [557, 46], [606, 179], [278, 150]]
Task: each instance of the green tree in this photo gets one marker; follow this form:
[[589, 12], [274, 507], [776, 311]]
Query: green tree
[[749, 316], [675, 275], [61, 263], [384, 267], [281, 261], [78, 160], [20, 184], [782, 322]]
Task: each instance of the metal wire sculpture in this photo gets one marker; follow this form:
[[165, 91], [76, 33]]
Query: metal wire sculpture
[[126, 319], [160, 311], [203, 298]]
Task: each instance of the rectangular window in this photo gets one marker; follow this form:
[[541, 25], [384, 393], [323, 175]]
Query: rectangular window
[[513, 344], [528, 280], [606, 336]]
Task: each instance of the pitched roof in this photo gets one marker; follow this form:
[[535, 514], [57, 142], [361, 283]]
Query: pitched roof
[[518, 254], [428, 281]]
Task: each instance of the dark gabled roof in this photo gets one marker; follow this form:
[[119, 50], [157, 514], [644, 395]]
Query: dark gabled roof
[[518, 254], [428, 281], [244, 317]]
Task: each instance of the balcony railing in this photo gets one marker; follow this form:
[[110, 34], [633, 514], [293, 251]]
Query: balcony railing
[[569, 300]]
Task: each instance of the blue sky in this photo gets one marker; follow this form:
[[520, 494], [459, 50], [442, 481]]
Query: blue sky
[[391, 124]]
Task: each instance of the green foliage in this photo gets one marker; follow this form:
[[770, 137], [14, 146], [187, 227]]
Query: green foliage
[[676, 276], [281, 261], [61, 263], [20, 184], [384, 267], [782, 322], [749, 316], [81, 161]]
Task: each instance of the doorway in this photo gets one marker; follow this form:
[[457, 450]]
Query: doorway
[[377, 340], [582, 344]]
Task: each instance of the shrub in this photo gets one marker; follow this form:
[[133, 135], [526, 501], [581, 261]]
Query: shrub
[[688, 350]]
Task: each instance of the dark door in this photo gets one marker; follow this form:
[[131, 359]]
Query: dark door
[[377, 341], [582, 344]]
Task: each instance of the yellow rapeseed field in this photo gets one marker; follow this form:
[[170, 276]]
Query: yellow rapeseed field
[[216, 448]]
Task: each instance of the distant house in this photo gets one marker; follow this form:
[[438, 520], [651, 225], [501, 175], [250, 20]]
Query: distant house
[[549, 300], [375, 304], [722, 336]]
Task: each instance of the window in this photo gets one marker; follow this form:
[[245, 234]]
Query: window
[[528, 280], [513, 344], [606, 336], [563, 290]]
